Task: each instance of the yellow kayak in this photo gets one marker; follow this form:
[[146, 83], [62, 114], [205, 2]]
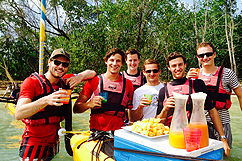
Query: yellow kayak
[[84, 150], [11, 107]]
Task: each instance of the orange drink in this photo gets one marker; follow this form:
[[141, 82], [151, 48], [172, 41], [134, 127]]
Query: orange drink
[[196, 70], [177, 140], [67, 98], [205, 136]]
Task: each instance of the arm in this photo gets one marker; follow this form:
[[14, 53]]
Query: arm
[[219, 127], [170, 103], [25, 107], [139, 102], [85, 75], [82, 104], [238, 92], [138, 113]]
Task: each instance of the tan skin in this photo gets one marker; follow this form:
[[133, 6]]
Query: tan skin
[[132, 62], [152, 80], [25, 107], [114, 63], [177, 68]]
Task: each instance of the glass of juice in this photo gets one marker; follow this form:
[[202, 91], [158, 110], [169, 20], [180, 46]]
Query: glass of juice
[[196, 70], [105, 96], [149, 97], [192, 138], [67, 99]]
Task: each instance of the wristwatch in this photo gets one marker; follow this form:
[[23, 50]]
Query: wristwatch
[[223, 137]]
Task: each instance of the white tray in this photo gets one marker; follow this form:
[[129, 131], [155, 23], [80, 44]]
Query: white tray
[[128, 128]]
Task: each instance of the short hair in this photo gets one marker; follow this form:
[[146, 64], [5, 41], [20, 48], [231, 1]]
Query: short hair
[[113, 52], [151, 61], [133, 51], [205, 44], [175, 55]]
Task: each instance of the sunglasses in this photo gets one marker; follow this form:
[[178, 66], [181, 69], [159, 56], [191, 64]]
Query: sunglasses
[[57, 62], [154, 71], [207, 55]]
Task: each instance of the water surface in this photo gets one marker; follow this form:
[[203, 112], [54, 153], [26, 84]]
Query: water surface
[[11, 131]]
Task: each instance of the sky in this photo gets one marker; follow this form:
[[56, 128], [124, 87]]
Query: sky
[[239, 4]]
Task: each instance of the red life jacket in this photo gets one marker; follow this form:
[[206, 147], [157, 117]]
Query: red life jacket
[[117, 100], [217, 93], [186, 88], [49, 114], [137, 81]]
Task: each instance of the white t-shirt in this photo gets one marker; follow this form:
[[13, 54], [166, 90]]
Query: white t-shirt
[[148, 111]]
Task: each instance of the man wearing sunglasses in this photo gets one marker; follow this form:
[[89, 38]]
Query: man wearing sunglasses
[[142, 108], [40, 108], [220, 82], [176, 63]]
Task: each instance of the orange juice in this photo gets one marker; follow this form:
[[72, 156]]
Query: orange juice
[[196, 70], [67, 98], [177, 140], [205, 136]]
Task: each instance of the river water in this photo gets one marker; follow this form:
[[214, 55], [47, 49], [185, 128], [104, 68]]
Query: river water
[[13, 129]]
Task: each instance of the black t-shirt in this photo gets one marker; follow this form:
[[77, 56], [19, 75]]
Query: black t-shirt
[[198, 86]]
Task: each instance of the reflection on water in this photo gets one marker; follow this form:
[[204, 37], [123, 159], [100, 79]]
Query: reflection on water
[[11, 131]]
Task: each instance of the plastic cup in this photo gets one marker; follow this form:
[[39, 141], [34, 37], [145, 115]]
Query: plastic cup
[[192, 138], [149, 96], [105, 96], [196, 70], [67, 98]]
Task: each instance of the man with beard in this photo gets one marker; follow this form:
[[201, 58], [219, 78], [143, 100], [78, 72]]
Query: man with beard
[[40, 108], [108, 115], [176, 63]]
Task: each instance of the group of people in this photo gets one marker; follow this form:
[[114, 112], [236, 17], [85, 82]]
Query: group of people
[[39, 101]]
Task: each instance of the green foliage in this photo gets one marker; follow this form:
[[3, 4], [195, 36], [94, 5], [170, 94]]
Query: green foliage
[[156, 28]]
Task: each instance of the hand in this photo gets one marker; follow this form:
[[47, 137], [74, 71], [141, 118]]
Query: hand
[[144, 102], [73, 81], [226, 147], [55, 98], [96, 102], [170, 103], [192, 74]]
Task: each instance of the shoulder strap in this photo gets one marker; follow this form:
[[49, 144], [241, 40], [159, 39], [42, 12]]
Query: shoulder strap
[[42, 82], [166, 90], [142, 78], [101, 83], [219, 79], [49, 84]]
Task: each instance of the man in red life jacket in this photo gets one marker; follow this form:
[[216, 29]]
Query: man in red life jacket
[[220, 82], [110, 115], [40, 109], [176, 63], [133, 73], [142, 108]]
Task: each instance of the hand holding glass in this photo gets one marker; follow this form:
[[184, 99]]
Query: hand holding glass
[[149, 97], [195, 70], [67, 99], [105, 96]]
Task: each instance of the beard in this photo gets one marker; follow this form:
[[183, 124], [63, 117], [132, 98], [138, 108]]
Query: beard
[[57, 75]]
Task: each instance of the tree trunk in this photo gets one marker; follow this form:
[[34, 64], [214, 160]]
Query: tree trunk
[[205, 23], [231, 36], [227, 37]]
